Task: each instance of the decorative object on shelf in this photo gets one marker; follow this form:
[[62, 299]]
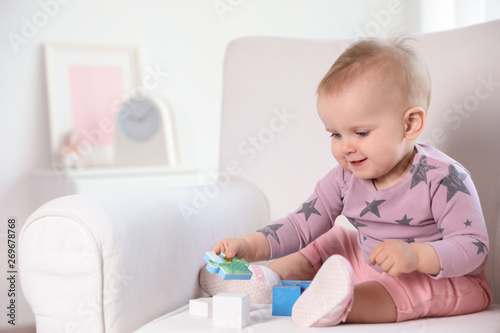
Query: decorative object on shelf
[[71, 154], [86, 84], [145, 133]]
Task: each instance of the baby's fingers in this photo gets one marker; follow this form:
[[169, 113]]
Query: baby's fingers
[[227, 246], [218, 247], [376, 253]]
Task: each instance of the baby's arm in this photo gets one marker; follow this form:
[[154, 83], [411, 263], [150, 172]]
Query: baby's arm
[[395, 257], [457, 211], [291, 233], [463, 245], [253, 247]]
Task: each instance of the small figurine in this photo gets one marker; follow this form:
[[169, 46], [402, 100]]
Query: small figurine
[[228, 268], [70, 154]]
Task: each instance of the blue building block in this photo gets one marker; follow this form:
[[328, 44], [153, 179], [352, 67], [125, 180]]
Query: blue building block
[[285, 294], [283, 299], [302, 284]]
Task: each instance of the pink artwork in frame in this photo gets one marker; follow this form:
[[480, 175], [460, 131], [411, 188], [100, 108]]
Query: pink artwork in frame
[[92, 92], [86, 85]]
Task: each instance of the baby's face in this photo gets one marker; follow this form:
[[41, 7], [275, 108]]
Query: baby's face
[[366, 120]]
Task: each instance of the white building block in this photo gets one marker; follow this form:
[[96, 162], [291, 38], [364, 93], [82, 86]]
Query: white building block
[[201, 307], [231, 310]]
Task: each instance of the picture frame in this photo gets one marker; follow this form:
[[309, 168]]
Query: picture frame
[[86, 86]]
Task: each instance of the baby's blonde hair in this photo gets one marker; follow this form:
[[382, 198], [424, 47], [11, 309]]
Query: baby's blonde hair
[[392, 57]]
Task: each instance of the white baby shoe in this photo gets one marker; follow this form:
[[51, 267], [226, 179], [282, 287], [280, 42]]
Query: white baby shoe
[[260, 286]]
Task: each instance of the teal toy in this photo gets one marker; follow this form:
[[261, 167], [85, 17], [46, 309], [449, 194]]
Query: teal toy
[[228, 268]]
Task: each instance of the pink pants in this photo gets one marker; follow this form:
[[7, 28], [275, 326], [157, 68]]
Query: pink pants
[[416, 295]]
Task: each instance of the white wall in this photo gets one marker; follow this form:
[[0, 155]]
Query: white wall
[[185, 38], [450, 14]]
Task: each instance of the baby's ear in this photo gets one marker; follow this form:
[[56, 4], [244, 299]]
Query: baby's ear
[[414, 120]]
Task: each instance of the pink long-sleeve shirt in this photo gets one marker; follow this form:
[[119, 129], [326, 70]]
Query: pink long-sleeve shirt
[[435, 203]]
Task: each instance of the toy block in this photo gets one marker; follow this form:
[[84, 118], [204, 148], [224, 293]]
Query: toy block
[[285, 294], [230, 310], [228, 269], [211, 256], [284, 298], [201, 307], [302, 284]]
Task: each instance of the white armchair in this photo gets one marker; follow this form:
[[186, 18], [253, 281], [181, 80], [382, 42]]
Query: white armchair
[[129, 261]]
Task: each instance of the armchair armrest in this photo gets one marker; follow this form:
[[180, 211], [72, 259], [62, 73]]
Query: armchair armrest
[[112, 262]]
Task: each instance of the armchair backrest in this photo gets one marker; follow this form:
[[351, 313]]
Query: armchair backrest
[[272, 136]]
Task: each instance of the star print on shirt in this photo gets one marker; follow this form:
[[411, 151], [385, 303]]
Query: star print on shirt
[[405, 220], [271, 230], [410, 240], [468, 223], [480, 247], [419, 171], [372, 207], [355, 223], [308, 209], [454, 182]]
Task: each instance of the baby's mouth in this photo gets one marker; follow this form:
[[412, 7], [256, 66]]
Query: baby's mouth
[[357, 162]]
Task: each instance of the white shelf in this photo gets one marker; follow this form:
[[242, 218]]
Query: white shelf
[[116, 172], [50, 184]]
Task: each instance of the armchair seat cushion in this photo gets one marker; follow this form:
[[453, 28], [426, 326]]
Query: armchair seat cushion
[[262, 321]]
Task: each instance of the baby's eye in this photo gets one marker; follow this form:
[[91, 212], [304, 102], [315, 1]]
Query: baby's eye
[[335, 135], [362, 133]]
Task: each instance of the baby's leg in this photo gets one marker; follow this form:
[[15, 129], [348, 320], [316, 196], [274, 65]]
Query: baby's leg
[[332, 298], [303, 265], [417, 295], [259, 287], [293, 267], [371, 304]]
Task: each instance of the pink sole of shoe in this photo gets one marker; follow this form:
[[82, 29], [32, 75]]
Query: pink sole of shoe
[[329, 297]]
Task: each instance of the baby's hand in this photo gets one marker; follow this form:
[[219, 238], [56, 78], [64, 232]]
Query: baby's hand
[[253, 247], [395, 257], [232, 247]]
